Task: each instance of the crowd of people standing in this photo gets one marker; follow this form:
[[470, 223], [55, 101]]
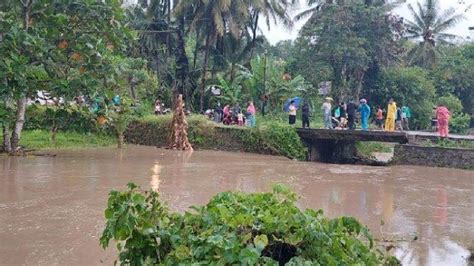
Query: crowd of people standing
[[234, 115], [346, 115]]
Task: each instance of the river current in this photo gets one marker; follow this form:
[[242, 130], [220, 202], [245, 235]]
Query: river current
[[51, 208]]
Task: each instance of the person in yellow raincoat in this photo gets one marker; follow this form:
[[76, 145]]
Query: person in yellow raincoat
[[391, 115]]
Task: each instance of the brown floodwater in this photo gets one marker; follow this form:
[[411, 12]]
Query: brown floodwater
[[51, 208]]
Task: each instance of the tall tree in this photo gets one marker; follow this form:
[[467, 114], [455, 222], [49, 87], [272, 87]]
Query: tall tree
[[273, 11], [429, 27], [212, 18], [351, 39], [57, 46]]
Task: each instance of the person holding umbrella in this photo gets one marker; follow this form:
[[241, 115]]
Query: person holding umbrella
[[327, 113]]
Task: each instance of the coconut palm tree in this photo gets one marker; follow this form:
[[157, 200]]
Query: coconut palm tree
[[270, 10], [317, 5], [429, 27], [213, 19]]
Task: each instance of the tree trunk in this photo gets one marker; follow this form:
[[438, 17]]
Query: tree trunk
[[178, 138], [120, 140], [19, 121], [204, 72], [196, 48], [21, 102], [360, 78], [254, 34], [131, 82], [232, 72], [6, 147]]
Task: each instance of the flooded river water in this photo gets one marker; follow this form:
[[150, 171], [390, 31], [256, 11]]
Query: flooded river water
[[51, 208]]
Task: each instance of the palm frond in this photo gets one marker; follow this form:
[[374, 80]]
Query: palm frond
[[418, 20], [448, 23]]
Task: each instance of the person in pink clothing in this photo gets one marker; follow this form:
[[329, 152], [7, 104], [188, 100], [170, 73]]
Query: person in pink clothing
[[251, 115], [443, 115], [227, 117]]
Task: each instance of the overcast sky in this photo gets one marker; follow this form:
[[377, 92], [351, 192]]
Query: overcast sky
[[279, 33]]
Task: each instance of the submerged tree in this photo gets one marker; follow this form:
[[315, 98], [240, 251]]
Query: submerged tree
[[178, 139], [429, 26]]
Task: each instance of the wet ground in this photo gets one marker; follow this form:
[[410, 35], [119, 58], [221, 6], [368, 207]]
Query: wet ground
[[51, 208]]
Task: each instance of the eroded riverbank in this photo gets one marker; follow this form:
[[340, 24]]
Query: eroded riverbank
[[51, 209]]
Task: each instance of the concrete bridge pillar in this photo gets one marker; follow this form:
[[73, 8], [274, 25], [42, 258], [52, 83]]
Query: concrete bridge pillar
[[332, 151]]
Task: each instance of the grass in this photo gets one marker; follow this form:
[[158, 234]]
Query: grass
[[445, 143], [367, 149], [41, 139]]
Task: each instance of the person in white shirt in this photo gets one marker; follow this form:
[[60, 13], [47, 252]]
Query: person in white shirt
[[292, 113], [327, 107]]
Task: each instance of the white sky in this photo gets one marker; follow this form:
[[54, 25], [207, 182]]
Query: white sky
[[278, 33]]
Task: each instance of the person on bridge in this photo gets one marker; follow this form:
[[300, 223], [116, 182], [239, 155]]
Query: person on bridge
[[351, 114], [364, 110], [251, 115], [406, 116], [292, 113], [305, 113], [327, 113], [343, 114], [379, 117], [391, 115], [443, 115], [398, 121]]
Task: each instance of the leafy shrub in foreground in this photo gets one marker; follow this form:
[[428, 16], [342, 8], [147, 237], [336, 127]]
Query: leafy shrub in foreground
[[234, 228]]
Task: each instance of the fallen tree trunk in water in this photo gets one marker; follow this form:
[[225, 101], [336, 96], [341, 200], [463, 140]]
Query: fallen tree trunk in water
[[178, 139]]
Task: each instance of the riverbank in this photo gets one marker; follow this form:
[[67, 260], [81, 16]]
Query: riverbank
[[269, 137], [41, 140]]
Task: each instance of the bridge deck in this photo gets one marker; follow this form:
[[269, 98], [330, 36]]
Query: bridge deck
[[353, 135]]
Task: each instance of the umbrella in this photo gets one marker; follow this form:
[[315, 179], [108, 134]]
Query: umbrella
[[297, 101]]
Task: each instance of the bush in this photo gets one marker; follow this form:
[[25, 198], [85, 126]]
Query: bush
[[408, 86], [268, 138], [278, 137], [452, 102], [459, 123], [234, 228], [68, 119]]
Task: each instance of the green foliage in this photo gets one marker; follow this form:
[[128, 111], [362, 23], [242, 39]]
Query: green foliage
[[270, 137], [367, 149], [455, 74], [266, 80], [277, 137], [67, 119], [408, 86], [234, 228], [430, 25], [41, 139], [348, 39], [459, 123], [447, 143], [453, 103]]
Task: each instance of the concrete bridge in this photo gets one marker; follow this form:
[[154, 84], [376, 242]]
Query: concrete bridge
[[338, 146]]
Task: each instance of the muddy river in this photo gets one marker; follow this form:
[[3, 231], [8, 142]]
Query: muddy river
[[51, 208]]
